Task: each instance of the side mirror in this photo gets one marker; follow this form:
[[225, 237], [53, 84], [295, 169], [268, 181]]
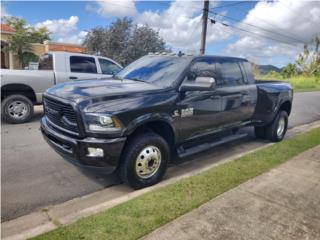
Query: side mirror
[[200, 84]]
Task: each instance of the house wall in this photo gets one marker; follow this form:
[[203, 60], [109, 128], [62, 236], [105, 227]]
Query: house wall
[[38, 49], [13, 62]]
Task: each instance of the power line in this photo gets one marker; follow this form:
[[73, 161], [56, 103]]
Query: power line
[[221, 6], [230, 5], [244, 30], [227, 5], [263, 29], [270, 24]]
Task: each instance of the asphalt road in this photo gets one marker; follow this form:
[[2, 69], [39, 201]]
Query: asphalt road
[[34, 176]]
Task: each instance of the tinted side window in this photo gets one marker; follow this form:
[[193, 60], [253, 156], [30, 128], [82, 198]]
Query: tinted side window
[[229, 73], [248, 70], [83, 64], [202, 68], [108, 67], [46, 62]]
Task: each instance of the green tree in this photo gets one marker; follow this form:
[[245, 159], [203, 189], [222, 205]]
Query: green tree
[[20, 42], [39, 35], [309, 60], [289, 70], [144, 40], [29, 57], [124, 41], [15, 22]]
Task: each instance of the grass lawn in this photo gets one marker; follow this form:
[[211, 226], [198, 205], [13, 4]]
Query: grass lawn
[[143, 214], [299, 83]]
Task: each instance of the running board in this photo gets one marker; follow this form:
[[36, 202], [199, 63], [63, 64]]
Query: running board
[[182, 152]]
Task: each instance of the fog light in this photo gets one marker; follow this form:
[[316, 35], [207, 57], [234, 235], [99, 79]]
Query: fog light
[[95, 152]]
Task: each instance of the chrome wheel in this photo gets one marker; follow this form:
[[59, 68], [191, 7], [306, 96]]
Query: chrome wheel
[[281, 127], [18, 109], [148, 162]]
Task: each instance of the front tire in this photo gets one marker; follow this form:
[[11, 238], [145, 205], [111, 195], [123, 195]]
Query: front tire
[[145, 160], [16, 109], [276, 131]]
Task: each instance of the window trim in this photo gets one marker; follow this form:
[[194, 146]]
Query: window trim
[[109, 60], [77, 56], [195, 60], [243, 72], [52, 61], [232, 61], [246, 71]]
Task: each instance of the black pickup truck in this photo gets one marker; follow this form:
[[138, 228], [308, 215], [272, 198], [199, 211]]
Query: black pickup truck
[[160, 106]]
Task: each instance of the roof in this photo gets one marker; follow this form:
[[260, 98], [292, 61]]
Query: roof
[[67, 53], [6, 28], [223, 57], [196, 56], [66, 47]]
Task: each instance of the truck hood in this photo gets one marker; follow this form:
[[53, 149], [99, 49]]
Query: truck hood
[[90, 89]]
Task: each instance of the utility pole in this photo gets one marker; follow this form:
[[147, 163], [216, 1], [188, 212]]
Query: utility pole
[[204, 26]]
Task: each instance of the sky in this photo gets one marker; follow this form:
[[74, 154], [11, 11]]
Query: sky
[[265, 32]]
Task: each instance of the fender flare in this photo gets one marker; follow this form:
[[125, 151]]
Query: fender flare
[[148, 118]]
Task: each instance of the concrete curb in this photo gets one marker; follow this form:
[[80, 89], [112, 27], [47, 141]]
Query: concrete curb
[[39, 222]]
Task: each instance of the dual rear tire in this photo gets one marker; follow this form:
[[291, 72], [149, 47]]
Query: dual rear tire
[[276, 130], [145, 158]]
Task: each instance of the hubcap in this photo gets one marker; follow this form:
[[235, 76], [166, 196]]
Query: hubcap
[[281, 127], [17, 109], [148, 162]]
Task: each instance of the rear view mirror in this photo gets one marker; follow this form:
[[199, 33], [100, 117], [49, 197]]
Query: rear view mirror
[[200, 84]]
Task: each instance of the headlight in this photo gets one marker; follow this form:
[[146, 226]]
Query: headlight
[[101, 123]]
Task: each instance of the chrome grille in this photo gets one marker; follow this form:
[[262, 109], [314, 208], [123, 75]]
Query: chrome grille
[[61, 115]]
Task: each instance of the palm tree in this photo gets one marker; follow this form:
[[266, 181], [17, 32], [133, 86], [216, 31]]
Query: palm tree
[[20, 42]]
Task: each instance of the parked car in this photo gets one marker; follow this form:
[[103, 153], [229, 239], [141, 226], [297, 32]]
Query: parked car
[[21, 89], [163, 105]]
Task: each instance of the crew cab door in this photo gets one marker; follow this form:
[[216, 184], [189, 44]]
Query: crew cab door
[[82, 67], [230, 103], [238, 96], [198, 111]]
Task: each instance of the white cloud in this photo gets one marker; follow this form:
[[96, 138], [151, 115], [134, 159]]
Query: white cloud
[[297, 20], [61, 27], [109, 8], [260, 51], [64, 30], [180, 25], [291, 22]]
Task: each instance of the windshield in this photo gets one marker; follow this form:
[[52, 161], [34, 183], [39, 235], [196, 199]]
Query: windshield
[[160, 70]]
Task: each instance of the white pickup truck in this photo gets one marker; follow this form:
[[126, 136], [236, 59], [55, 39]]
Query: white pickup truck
[[21, 89]]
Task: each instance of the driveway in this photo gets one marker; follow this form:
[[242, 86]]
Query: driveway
[[34, 176]]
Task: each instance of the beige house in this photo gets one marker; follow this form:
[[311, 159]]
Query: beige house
[[10, 61], [7, 58]]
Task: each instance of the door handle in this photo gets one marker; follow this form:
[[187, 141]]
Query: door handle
[[234, 96], [215, 97], [73, 77]]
